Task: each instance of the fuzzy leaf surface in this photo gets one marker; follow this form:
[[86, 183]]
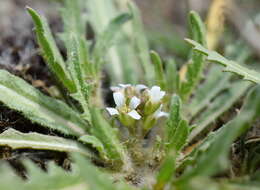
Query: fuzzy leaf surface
[[18, 140], [215, 158], [50, 51], [108, 136], [230, 66], [194, 69], [49, 112]]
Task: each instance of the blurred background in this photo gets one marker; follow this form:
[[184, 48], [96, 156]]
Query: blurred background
[[165, 22]]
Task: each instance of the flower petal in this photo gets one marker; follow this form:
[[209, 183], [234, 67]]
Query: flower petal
[[119, 98], [162, 114], [140, 87], [134, 102], [159, 113], [112, 111], [156, 94], [115, 88], [124, 85], [134, 114]]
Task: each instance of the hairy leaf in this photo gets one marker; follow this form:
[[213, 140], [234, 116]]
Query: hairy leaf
[[83, 90], [180, 136], [108, 136], [166, 172], [158, 68], [194, 69], [49, 112], [18, 140], [105, 39], [230, 66], [84, 176], [50, 51], [142, 47], [215, 83], [174, 119], [214, 158], [96, 143], [172, 76], [219, 106]]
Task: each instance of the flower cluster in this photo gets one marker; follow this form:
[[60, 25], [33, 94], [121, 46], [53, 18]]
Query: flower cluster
[[137, 103]]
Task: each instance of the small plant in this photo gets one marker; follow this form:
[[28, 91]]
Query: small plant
[[141, 142]]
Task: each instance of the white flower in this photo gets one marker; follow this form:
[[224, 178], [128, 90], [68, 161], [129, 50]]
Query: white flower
[[156, 94], [159, 113], [119, 99], [140, 87], [119, 87]]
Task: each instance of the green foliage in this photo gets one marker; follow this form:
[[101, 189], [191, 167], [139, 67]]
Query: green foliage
[[137, 145], [215, 158], [54, 114], [108, 136], [230, 66], [82, 176], [50, 51], [18, 140], [194, 69], [158, 68]]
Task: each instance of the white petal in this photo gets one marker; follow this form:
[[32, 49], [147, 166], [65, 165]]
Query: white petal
[[112, 111], [140, 87], [124, 85], [134, 114], [114, 88], [156, 94], [119, 99], [134, 102], [162, 114], [159, 113]]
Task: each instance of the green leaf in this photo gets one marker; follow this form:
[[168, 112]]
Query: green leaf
[[49, 112], [82, 88], [180, 136], [108, 136], [83, 176], [174, 119], [230, 66], [220, 104], [196, 66], [142, 47], [18, 140], [158, 68], [96, 143], [166, 172], [50, 51], [75, 25], [106, 38], [215, 158], [215, 82], [172, 76]]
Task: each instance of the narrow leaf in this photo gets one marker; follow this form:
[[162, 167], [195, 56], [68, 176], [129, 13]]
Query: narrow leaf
[[142, 47], [196, 66], [50, 51], [158, 68], [49, 112], [230, 66], [106, 38], [180, 136], [215, 158], [96, 143], [166, 172], [174, 119], [108, 136], [82, 88], [18, 140]]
